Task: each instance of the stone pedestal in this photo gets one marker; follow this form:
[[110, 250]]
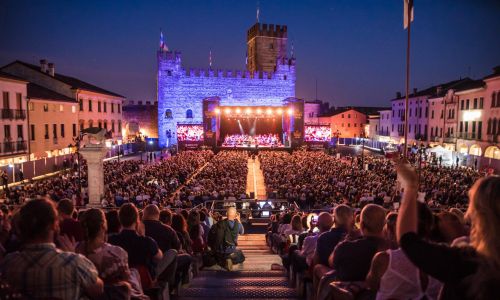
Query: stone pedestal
[[94, 155]]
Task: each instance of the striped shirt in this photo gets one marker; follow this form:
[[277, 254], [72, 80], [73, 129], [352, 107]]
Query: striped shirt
[[43, 271]]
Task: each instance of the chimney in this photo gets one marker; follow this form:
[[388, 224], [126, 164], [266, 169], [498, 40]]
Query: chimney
[[414, 91], [43, 65], [439, 89], [398, 95], [52, 69]]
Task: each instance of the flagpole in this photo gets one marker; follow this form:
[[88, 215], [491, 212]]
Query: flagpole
[[410, 7]]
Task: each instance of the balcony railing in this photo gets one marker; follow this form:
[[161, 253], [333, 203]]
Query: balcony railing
[[20, 114], [450, 140], [21, 146], [401, 133], [384, 133], [7, 113], [421, 137], [10, 147], [493, 138], [467, 135]]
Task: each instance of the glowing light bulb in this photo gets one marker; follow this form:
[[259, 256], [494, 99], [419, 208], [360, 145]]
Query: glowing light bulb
[[217, 111], [279, 111], [228, 110], [259, 111], [269, 111], [238, 110], [248, 111], [290, 111]]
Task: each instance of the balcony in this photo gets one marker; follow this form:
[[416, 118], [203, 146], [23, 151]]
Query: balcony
[[492, 138], [468, 135], [421, 137], [383, 133], [401, 133], [20, 114], [7, 113], [9, 147], [21, 146], [55, 140]]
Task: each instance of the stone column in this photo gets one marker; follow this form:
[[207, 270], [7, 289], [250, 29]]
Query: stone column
[[94, 155]]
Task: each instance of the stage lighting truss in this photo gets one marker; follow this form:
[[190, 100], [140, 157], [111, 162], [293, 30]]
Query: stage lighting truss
[[249, 112]]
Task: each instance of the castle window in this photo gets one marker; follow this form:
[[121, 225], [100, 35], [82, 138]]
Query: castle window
[[169, 73], [284, 77], [168, 114], [189, 114], [271, 46]]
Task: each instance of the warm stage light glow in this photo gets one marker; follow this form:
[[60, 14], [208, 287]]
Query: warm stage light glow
[[279, 111], [228, 111], [269, 111], [248, 111], [259, 111], [472, 115], [217, 111], [238, 110], [290, 111]]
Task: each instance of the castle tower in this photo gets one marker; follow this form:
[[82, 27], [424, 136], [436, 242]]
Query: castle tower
[[266, 45]]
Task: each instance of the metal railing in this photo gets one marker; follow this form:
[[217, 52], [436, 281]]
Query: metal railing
[[7, 113], [20, 114]]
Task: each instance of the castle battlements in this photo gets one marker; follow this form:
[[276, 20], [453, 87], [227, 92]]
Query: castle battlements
[[268, 30]]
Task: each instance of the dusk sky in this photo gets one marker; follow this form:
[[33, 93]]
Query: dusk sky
[[355, 49]]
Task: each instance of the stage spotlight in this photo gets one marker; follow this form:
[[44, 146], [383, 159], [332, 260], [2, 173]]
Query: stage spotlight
[[269, 111], [217, 111], [290, 111], [228, 110], [279, 111], [238, 110], [259, 111], [248, 111]]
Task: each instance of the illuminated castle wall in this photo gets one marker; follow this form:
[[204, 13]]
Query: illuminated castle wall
[[181, 92]]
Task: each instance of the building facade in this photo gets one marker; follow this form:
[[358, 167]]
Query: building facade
[[13, 132], [66, 97], [140, 119], [346, 123], [268, 81]]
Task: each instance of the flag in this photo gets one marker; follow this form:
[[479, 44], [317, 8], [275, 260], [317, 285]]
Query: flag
[[246, 58], [210, 59], [408, 6], [163, 46]]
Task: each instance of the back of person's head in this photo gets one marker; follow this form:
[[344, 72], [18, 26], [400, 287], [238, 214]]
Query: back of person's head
[[93, 221], [304, 220], [151, 212], [166, 216], [37, 218], [179, 223], [287, 218], [113, 221], [449, 226], [203, 216], [390, 225], [372, 219], [193, 218], [459, 214], [484, 213], [425, 220], [296, 223], [185, 214], [128, 214], [66, 207], [342, 215], [325, 221]]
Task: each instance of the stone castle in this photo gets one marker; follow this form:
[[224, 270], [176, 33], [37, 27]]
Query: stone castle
[[268, 81]]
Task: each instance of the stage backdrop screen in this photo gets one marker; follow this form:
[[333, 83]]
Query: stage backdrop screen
[[190, 133], [317, 133]]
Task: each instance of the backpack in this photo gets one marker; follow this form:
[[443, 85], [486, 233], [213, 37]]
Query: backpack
[[216, 236]]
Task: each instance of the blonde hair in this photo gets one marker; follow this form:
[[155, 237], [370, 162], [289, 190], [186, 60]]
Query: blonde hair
[[484, 213]]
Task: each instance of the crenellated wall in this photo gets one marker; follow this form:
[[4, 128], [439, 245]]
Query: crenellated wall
[[180, 90]]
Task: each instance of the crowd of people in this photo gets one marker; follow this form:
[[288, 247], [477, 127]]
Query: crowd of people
[[314, 179], [245, 140], [413, 253], [223, 178]]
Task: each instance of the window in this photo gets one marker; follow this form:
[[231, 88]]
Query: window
[[392, 129], [54, 130], [488, 129], [467, 104], [119, 108], [466, 126], [6, 104], [355, 124], [168, 114], [98, 106], [81, 126], [46, 131], [461, 126], [189, 114], [119, 126], [31, 106], [442, 114], [420, 112], [112, 125], [99, 124], [90, 105], [481, 102], [271, 46], [348, 124], [20, 135], [6, 132], [112, 107], [348, 116], [32, 132], [62, 130], [80, 104], [493, 99], [475, 103], [342, 116], [45, 107], [73, 109], [462, 102], [61, 107], [74, 129], [409, 112], [479, 129], [106, 125], [432, 114], [19, 101], [105, 106], [91, 123]]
